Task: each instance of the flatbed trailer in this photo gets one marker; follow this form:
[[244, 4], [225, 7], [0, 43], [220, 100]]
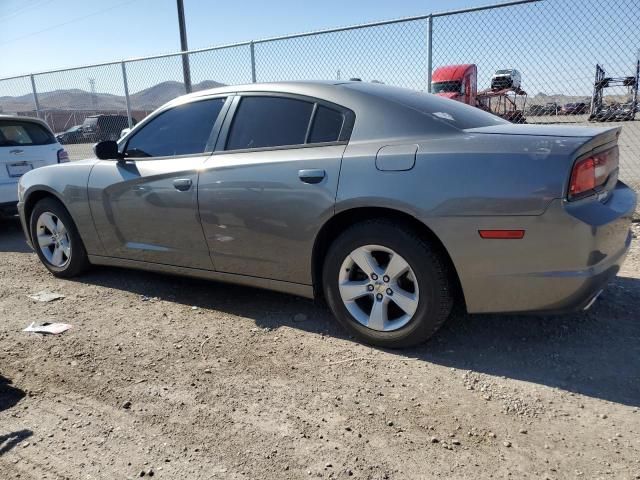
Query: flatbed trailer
[[508, 103]]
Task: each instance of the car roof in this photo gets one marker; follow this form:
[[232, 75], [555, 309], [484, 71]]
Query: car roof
[[24, 119], [312, 88], [380, 108]]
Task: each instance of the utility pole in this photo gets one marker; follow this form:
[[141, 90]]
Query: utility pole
[[186, 70], [94, 96]]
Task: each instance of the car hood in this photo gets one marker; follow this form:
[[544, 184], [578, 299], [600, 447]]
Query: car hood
[[541, 130]]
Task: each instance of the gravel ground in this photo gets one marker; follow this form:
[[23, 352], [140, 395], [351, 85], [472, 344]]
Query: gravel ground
[[177, 378]]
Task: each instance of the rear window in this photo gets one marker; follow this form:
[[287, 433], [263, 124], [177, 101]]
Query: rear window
[[451, 112], [14, 133]]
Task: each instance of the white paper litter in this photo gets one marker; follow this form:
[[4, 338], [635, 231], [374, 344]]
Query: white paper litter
[[52, 328], [45, 296]]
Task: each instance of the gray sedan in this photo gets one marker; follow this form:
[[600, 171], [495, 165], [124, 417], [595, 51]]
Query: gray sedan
[[390, 204]]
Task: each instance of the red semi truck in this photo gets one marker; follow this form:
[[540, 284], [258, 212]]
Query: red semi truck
[[458, 82]]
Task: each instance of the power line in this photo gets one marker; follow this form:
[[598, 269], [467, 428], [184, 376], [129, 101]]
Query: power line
[[20, 10], [73, 20]]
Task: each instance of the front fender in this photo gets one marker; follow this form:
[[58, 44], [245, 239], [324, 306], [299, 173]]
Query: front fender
[[68, 183]]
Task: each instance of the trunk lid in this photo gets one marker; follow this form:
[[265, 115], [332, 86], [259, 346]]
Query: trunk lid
[[598, 144], [17, 160]]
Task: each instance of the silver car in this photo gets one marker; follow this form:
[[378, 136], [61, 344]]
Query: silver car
[[390, 204]]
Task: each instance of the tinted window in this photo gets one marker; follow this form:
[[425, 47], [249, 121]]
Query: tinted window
[[327, 124], [182, 130], [16, 133], [269, 122]]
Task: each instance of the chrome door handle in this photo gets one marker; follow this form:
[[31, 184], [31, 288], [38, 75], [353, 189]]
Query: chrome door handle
[[182, 184], [311, 175]]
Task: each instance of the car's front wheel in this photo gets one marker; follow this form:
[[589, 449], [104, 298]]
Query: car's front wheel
[[386, 284], [56, 240]]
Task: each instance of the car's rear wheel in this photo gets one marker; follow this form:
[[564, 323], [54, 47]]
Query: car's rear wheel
[[386, 284], [56, 240]]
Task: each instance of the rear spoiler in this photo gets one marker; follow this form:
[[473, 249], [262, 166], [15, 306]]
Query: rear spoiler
[[606, 137]]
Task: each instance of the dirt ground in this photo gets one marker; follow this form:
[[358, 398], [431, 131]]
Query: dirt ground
[[183, 379]]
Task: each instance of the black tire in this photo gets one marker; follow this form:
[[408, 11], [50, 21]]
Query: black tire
[[78, 261], [430, 269]]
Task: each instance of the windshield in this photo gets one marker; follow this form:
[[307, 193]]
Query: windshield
[[503, 72], [445, 87]]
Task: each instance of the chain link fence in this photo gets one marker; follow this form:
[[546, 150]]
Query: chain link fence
[[562, 61]]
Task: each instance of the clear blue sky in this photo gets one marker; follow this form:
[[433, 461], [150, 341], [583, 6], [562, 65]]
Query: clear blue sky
[[554, 43], [38, 35]]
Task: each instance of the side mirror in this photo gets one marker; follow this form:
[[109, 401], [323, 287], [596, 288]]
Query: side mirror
[[107, 150]]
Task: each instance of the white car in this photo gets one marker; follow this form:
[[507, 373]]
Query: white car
[[509, 78], [25, 143]]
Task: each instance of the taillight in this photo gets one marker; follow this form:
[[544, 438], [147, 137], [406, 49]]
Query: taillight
[[592, 172], [63, 156]]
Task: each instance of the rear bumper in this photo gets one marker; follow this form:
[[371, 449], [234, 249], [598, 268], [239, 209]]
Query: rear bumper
[[8, 191], [8, 208], [566, 258]]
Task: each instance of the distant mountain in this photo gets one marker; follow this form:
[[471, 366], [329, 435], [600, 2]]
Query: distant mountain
[[76, 99]]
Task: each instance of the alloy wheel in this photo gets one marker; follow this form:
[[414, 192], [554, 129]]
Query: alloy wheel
[[378, 288], [53, 239]]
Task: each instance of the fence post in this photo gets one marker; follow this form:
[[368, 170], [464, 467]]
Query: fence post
[[253, 62], [429, 51], [35, 95], [126, 93]]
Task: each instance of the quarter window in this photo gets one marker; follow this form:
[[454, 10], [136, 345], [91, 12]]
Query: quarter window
[[182, 130], [269, 122], [327, 124]]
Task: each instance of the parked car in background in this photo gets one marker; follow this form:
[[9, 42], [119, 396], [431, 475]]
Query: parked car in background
[[536, 109], [550, 108], [578, 108], [71, 135], [25, 143], [389, 203], [627, 111], [508, 78], [98, 128]]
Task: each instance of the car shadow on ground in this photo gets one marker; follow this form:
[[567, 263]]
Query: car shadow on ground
[[594, 353], [11, 440], [9, 395], [11, 236]]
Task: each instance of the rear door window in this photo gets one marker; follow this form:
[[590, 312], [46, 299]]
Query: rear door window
[[182, 130], [15, 133], [261, 122]]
